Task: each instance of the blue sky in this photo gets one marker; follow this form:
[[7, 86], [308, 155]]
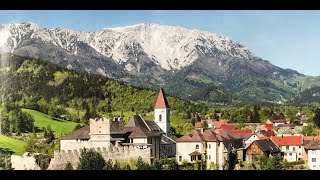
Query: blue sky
[[289, 39]]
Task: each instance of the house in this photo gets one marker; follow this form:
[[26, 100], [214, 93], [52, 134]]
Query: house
[[190, 147], [307, 140], [252, 138], [278, 122], [137, 132], [211, 144], [262, 147], [291, 146], [313, 154], [217, 123]]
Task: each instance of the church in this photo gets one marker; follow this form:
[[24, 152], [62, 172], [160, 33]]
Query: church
[[138, 132]]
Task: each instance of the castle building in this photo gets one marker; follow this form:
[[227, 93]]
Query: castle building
[[137, 133]]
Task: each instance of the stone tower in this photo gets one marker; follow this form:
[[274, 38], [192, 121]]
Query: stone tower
[[162, 112], [100, 132]]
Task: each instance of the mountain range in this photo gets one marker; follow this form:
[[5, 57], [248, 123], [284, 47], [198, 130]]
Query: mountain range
[[191, 64]]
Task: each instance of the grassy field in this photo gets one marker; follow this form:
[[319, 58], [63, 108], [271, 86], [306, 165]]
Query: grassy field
[[14, 145], [58, 126]]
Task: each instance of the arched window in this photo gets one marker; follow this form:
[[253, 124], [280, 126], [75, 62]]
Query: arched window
[[160, 117]]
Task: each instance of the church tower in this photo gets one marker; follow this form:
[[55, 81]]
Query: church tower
[[162, 113]]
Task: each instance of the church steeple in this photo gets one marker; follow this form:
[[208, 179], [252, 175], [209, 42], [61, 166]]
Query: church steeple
[[161, 101], [162, 112]]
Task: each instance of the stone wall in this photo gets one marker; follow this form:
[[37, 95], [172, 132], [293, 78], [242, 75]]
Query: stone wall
[[66, 145], [125, 153], [27, 161]]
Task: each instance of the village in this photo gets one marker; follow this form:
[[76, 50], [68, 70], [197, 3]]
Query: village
[[215, 144]]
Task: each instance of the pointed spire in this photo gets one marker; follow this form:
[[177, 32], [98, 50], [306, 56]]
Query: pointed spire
[[161, 101]]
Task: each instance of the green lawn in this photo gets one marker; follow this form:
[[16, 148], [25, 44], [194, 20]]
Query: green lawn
[[58, 126], [14, 145]]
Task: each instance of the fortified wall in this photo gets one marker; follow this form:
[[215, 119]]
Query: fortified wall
[[125, 153], [28, 161]]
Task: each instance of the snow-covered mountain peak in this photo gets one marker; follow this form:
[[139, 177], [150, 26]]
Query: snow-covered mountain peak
[[171, 47]]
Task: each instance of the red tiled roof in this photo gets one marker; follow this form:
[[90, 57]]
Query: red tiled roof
[[247, 131], [287, 140], [211, 136], [218, 123], [161, 101], [268, 133], [193, 136], [198, 125], [232, 126], [268, 126], [228, 126]]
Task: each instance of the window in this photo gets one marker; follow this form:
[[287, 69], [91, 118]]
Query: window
[[209, 146], [299, 147], [299, 154], [180, 158], [150, 141], [193, 158], [160, 117], [287, 147], [209, 157], [290, 154], [197, 146], [313, 160], [294, 149]]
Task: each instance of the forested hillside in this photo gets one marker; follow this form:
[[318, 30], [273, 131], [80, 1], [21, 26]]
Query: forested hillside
[[49, 88]]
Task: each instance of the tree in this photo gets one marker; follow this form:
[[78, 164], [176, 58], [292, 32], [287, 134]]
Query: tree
[[91, 160], [232, 159], [240, 126], [277, 163], [255, 117], [68, 166], [156, 165], [308, 130], [116, 166], [316, 117], [45, 133], [141, 165], [271, 163], [265, 163], [50, 136], [197, 165], [108, 165]]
